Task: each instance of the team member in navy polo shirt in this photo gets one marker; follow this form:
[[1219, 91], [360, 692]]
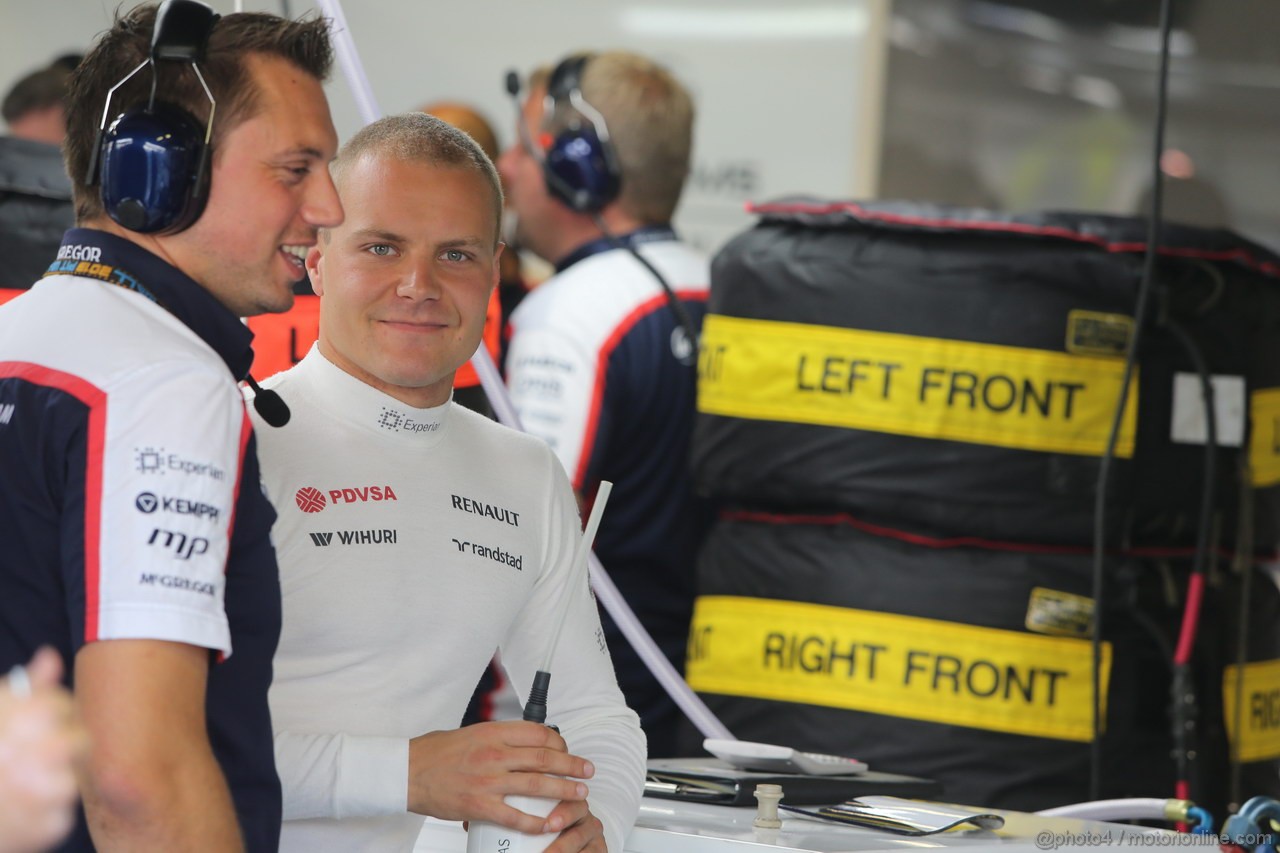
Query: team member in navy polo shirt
[[600, 365], [136, 537]]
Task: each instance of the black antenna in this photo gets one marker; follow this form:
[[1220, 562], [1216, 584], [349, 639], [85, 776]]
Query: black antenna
[[535, 710]]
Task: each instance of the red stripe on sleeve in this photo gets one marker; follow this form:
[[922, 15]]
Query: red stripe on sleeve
[[96, 400], [625, 325], [246, 430]]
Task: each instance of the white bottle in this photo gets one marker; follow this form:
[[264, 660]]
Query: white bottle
[[491, 838]]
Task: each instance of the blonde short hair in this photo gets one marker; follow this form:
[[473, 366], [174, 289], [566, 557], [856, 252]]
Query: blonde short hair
[[649, 115], [421, 138]]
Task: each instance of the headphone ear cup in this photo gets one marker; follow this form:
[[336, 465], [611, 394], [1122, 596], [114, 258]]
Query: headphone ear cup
[[581, 170], [154, 170]]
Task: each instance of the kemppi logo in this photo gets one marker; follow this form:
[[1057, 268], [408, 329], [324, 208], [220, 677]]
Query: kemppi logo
[[311, 499]]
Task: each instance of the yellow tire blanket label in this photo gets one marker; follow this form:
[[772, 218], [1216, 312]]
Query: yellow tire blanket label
[[1259, 739], [1004, 396], [1051, 611], [1264, 437], [900, 666]]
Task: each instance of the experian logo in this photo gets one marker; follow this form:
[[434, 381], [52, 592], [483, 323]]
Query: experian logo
[[395, 421], [153, 460]]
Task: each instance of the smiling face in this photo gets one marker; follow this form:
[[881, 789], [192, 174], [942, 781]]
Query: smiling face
[[270, 191], [405, 281]]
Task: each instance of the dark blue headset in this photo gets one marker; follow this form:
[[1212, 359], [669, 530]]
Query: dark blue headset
[[152, 162], [580, 165]]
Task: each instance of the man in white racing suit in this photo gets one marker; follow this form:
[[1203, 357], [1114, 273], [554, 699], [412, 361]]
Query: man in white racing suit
[[415, 538]]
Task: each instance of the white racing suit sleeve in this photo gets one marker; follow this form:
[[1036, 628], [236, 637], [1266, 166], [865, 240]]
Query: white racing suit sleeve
[[342, 775], [583, 700]]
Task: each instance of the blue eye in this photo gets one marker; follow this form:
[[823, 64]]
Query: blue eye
[[382, 250], [456, 255]]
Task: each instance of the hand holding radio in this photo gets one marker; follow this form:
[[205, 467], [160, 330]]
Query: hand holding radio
[[463, 774], [582, 833]]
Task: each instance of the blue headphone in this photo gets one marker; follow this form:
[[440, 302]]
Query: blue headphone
[[152, 162], [580, 166]]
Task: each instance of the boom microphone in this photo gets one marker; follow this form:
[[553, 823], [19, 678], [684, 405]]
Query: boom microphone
[[269, 405]]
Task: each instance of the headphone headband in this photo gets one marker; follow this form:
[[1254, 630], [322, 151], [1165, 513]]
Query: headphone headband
[[182, 30], [566, 78]]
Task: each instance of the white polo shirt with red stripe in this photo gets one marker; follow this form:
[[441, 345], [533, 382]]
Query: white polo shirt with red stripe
[[124, 443], [593, 371]]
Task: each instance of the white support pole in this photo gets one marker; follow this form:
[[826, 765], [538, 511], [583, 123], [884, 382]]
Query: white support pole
[[349, 59]]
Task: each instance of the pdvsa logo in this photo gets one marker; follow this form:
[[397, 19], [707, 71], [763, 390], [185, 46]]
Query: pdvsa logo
[[310, 499]]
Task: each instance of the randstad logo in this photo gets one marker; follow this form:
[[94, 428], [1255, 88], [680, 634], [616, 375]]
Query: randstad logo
[[310, 499]]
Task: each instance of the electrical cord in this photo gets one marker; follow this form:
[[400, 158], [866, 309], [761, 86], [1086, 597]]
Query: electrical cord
[[1130, 360], [1182, 687], [1243, 564], [1136, 808], [1252, 828], [682, 314]]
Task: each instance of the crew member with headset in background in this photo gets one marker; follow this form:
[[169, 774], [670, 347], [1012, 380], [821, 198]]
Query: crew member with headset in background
[[136, 537], [416, 538], [601, 358], [35, 195]]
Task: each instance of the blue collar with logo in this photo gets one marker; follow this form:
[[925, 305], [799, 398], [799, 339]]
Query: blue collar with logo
[[98, 254], [642, 235]]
